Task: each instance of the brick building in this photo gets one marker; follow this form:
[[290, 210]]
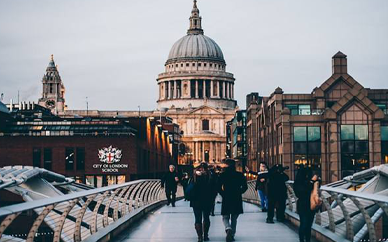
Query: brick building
[[98, 152], [339, 128]]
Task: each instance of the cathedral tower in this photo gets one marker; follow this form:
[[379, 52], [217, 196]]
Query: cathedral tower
[[53, 95]]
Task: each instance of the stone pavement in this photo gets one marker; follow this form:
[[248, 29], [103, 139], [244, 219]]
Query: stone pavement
[[177, 224]]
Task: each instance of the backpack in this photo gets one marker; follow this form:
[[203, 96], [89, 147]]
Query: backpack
[[189, 191]]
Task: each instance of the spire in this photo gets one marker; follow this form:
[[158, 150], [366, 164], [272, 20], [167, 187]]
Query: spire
[[52, 63], [195, 21]]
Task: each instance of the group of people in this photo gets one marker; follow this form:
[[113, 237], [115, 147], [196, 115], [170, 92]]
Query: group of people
[[202, 188]]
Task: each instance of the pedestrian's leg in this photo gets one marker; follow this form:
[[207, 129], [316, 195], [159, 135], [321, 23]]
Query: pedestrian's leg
[[271, 210], [206, 225], [262, 201], [168, 195], [198, 223], [225, 220], [266, 202], [309, 224], [173, 198], [234, 223], [302, 225], [280, 210]]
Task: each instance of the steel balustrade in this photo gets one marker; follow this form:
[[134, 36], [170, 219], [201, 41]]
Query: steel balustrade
[[78, 215], [350, 215]]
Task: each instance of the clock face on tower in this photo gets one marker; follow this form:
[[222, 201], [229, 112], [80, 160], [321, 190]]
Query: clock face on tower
[[50, 103]]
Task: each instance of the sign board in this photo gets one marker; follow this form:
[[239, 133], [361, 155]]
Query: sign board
[[110, 158]]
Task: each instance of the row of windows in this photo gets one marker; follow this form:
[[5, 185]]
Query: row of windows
[[74, 158], [193, 64]]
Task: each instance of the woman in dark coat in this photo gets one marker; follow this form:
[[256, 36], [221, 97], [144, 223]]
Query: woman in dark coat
[[202, 200], [277, 193], [304, 183], [231, 186]]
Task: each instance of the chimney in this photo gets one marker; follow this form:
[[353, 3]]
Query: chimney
[[340, 63]]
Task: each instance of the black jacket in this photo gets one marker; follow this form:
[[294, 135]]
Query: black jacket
[[168, 181], [262, 185], [303, 190], [277, 189], [203, 191], [231, 186]]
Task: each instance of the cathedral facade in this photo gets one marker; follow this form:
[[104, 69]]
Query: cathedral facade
[[197, 93]]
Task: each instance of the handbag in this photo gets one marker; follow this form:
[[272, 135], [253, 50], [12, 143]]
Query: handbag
[[315, 200]]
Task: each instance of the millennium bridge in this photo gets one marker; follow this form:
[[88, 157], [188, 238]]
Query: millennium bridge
[[52, 207]]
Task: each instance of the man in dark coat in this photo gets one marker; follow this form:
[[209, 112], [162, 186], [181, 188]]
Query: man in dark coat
[[277, 193], [231, 186], [170, 182]]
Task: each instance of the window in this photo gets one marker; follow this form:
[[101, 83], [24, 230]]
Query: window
[[205, 124], [299, 109], [47, 158], [384, 144], [69, 158], [80, 158], [187, 64], [199, 64], [354, 149], [307, 147], [36, 157]]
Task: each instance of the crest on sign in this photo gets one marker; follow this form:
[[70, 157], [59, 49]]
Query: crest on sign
[[109, 155]]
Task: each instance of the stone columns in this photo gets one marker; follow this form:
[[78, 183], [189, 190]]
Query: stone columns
[[218, 89], [202, 150], [227, 90], [196, 153], [175, 89], [196, 89], [211, 89], [166, 90], [204, 89]]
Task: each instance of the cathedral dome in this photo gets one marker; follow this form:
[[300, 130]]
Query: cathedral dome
[[195, 47]]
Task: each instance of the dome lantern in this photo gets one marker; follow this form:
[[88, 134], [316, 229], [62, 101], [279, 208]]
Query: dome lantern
[[195, 21]]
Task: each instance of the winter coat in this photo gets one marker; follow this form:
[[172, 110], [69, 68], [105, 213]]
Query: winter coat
[[202, 192], [277, 189], [231, 186], [262, 185], [168, 181]]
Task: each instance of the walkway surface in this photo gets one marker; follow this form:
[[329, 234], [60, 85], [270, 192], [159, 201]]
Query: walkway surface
[[177, 224]]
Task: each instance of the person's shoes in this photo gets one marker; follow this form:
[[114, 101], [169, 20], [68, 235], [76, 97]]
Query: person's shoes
[[168, 204], [173, 204], [213, 214], [233, 238], [229, 235], [264, 210], [269, 221], [198, 229]]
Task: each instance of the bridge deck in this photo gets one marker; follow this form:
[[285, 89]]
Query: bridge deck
[[177, 224]]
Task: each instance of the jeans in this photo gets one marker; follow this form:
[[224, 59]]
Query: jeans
[[230, 222], [263, 200], [199, 214], [171, 196], [306, 221]]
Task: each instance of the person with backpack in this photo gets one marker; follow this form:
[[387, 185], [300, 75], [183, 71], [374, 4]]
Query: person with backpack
[[304, 187], [200, 193], [231, 186]]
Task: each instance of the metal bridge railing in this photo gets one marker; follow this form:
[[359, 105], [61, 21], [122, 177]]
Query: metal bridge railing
[[76, 216], [349, 215]]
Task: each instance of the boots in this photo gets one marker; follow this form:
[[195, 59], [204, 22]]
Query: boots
[[206, 227], [198, 228]]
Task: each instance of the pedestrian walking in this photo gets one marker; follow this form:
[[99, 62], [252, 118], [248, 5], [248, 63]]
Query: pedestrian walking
[[277, 193], [214, 174], [303, 187], [170, 182], [261, 186], [201, 200], [231, 186], [184, 183]]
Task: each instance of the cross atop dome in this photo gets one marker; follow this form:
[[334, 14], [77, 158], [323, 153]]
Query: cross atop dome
[[195, 21]]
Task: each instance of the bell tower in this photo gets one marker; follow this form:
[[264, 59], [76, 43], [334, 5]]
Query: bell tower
[[53, 95]]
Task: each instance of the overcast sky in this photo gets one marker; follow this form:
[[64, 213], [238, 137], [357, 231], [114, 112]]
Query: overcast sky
[[111, 51]]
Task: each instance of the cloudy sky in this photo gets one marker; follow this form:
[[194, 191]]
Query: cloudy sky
[[111, 51]]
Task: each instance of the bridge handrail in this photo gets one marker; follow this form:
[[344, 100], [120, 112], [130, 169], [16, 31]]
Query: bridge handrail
[[80, 215], [20, 207], [340, 206]]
